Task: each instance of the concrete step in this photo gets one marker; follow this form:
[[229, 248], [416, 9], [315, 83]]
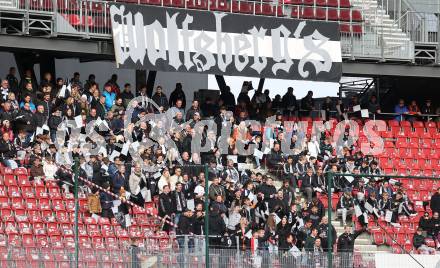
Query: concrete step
[[362, 241], [383, 248], [369, 247], [390, 30]]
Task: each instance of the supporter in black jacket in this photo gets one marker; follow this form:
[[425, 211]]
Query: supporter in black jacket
[[288, 192], [166, 209], [435, 201], [275, 158], [435, 224], [346, 245], [425, 223], [106, 201], [199, 220], [39, 118], [217, 227], [160, 99], [346, 239], [323, 230], [314, 217], [267, 189], [278, 204], [186, 223], [283, 230], [309, 181], [24, 119], [178, 94]]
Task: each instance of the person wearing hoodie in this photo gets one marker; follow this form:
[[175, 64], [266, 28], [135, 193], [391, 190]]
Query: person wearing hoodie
[[177, 94]]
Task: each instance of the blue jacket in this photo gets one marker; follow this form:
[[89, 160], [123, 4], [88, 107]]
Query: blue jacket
[[31, 105], [118, 182], [400, 110], [110, 98]]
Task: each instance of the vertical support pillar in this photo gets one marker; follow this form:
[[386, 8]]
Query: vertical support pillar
[[24, 62], [47, 65], [151, 79], [261, 83], [76, 174], [437, 57], [206, 218], [221, 82], [377, 85], [141, 79], [329, 215]]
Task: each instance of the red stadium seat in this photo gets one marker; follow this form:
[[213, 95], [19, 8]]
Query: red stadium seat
[[291, 2], [308, 13], [220, 5], [264, 9], [344, 3], [242, 7], [295, 13], [174, 3], [378, 238], [197, 4], [321, 14], [356, 15], [333, 3], [333, 15]]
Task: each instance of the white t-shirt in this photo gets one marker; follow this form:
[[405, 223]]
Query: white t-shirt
[[199, 190]]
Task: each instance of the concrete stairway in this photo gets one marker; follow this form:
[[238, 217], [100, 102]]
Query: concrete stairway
[[377, 21]]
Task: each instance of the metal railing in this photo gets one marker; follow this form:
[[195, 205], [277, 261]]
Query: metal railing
[[422, 27], [359, 39], [130, 257]]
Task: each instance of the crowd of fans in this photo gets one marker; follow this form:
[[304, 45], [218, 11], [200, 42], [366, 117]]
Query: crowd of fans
[[271, 198]]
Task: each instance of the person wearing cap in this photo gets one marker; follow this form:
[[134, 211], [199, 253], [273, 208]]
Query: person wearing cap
[[195, 119], [419, 243]]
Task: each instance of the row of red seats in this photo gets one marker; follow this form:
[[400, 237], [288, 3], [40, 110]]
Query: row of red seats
[[326, 14], [409, 163], [402, 132], [88, 258], [328, 3], [97, 242], [67, 230], [62, 217], [429, 154], [63, 259]]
